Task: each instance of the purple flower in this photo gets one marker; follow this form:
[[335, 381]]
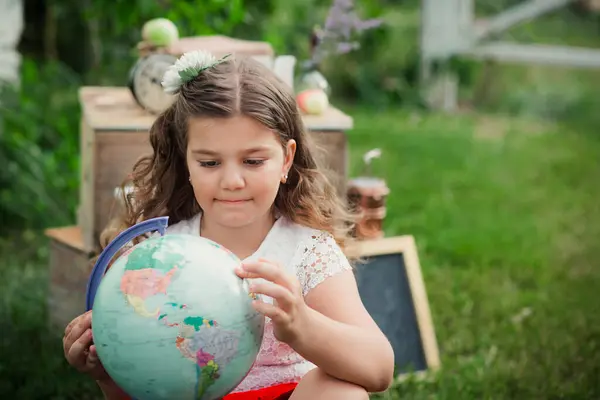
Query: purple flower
[[347, 47], [367, 24], [341, 26]]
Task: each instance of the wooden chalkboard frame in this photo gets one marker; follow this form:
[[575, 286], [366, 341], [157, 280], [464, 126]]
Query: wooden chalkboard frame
[[406, 246]]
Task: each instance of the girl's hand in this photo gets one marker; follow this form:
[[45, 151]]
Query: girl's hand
[[79, 349], [288, 311]]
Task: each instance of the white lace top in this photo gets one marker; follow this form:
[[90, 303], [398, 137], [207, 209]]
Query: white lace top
[[312, 256]]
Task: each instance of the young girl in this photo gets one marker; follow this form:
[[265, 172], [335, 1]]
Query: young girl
[[232, 163]]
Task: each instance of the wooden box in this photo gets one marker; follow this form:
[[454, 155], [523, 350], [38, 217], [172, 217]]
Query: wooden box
[[220, 45], [70, 268], [114, 135]]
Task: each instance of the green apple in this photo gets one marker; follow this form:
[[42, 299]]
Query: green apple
[[313, 101], [160, 32]]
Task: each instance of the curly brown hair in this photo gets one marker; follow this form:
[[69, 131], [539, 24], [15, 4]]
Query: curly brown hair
[[236, 86]]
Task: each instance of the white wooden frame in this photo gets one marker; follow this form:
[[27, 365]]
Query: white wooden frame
[[11, 28], [449, 28]]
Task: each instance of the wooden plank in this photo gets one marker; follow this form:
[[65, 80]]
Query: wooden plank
[[445, 27], [68, 235], [564, 56], [69, 269], [85, 210], [388, 245], [116, 154], [63, 306], [413, 268], [526, 11], [221, 45], [12, 22], [114, 109], [332, 155]]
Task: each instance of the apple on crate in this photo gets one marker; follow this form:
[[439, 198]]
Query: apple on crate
[[160, 32], [312, 101]]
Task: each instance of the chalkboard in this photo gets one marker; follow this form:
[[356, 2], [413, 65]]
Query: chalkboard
[[392, 289]]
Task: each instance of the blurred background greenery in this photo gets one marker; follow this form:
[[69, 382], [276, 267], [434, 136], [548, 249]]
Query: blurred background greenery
[[502, 196], [69, 43]]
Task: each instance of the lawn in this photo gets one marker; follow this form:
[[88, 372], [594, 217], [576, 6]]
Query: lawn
[[506, 217]]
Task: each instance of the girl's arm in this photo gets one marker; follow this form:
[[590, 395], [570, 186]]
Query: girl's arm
[[341, 338]]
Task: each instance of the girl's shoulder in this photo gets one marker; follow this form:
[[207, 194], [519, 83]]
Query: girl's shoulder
[[300, 238], [299, 231], [313, 254]]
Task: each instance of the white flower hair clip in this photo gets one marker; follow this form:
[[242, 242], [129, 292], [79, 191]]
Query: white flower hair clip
[[187, 67]]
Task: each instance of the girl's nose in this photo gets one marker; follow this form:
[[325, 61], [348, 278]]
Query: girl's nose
[[232, 179]]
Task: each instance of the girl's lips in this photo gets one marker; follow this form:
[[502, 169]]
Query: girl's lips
[[232, 201]]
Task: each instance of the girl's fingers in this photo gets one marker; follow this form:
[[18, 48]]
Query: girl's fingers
[[270, 310], [77, 328], [92, 361], [268, 271], [77, 354], [84, 318], [70, 327], [284, 298], [245, 274], [92, 355]]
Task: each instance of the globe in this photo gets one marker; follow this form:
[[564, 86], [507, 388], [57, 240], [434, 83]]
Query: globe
[[172, 320]]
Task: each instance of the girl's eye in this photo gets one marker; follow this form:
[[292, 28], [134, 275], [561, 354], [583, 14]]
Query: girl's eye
[[208, 164], [254, 162]]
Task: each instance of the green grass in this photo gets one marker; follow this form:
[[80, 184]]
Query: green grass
[[506, 217]]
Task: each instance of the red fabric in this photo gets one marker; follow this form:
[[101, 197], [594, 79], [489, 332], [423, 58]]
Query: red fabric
[[277, 392]]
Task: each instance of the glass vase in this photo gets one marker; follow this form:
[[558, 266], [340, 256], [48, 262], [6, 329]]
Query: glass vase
[[312, 78]]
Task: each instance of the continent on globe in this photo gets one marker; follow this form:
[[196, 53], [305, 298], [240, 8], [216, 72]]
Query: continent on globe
[[154, 257], [203, 342], [138, 285], [211, 347], [148, 276]]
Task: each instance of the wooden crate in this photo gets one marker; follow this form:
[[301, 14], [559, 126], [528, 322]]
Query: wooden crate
[[220, 45], [114, 135], [70, 268]]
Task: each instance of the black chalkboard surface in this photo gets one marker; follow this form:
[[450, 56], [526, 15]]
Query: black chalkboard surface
[[392, 289]]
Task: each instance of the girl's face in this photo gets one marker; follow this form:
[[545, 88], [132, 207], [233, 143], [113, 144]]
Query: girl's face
[[236, 166]]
